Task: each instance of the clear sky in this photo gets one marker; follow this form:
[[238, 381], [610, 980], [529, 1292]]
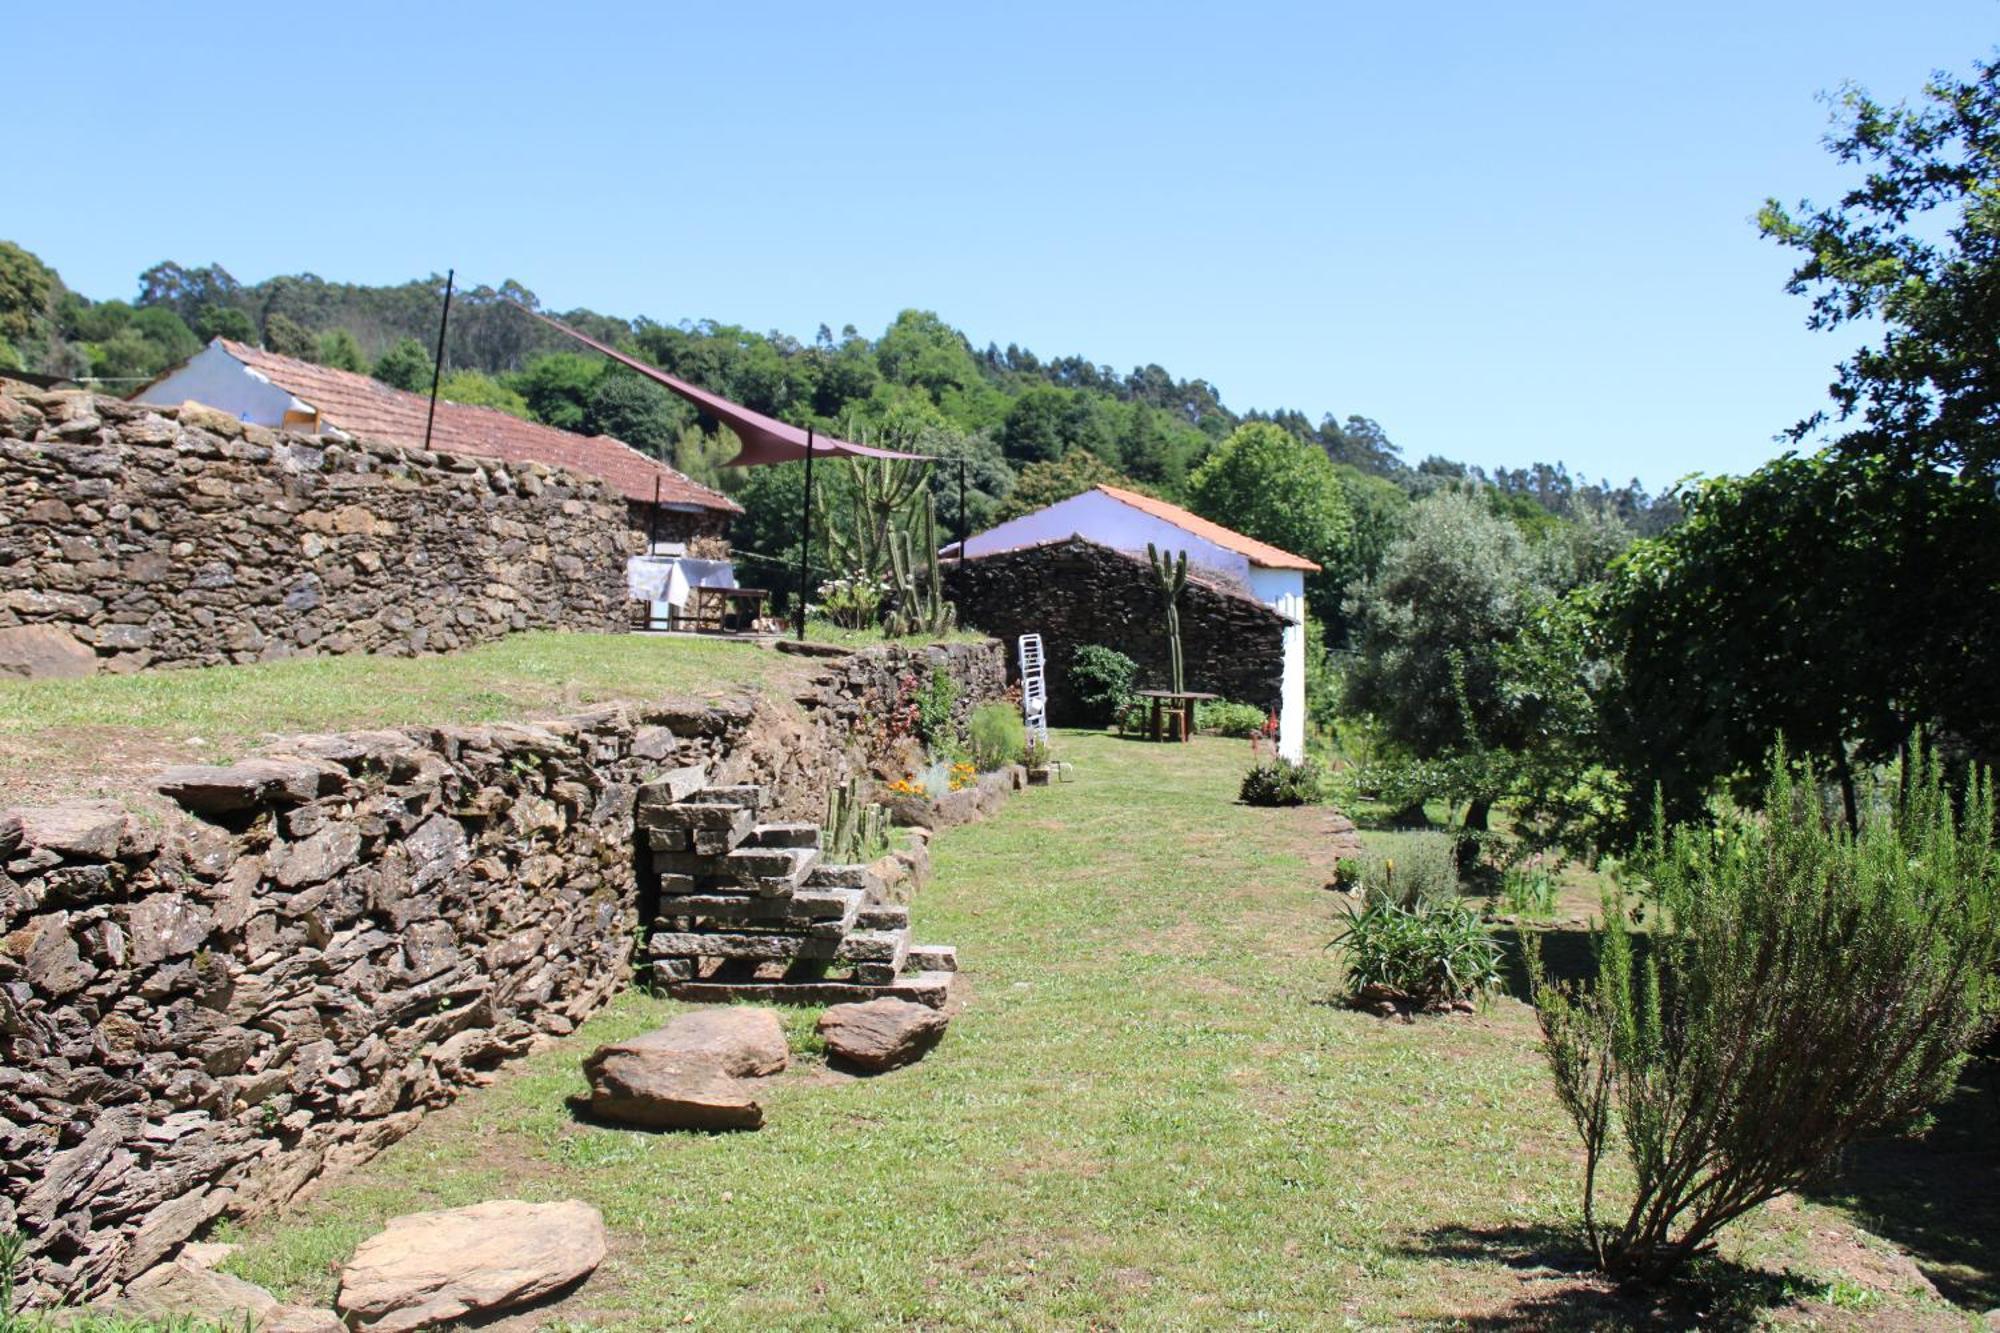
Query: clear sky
[[1507, 232]]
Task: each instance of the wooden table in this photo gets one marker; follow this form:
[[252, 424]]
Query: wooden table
[[721, 610], [1177, 705]]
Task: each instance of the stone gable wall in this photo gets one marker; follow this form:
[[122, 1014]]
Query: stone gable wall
[[207, 1016], [165, 537], [1076, 592]]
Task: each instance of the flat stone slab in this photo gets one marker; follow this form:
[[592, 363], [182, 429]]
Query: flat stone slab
[[45, 652], [432, 1268], [226, 788], [799, 834], [655, 1088], [773, 948], [746, 1042], [188, 1289], [881, 1034], [932, 989]]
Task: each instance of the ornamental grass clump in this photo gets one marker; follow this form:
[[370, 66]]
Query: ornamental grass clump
[[1802, 986], [1281, 782], [1430, 955]]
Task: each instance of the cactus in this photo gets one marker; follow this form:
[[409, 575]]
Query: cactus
[[854, 830], [921, 607], [1172, 576], [880, 489]]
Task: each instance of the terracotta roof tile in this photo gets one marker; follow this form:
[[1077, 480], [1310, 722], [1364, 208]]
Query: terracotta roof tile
[[365, 407], [1260, 553]]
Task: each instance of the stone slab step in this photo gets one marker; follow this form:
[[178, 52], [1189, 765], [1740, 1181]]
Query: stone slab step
[[931, 988], [798, 834], [708, 830], [671, 787], [770, 870], [932, 958], [883, 916], [758, 947], [875, 946], [747, 797], [818, 912], [828, 875]]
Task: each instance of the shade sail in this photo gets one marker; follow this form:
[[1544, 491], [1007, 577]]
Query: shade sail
[[765, 439]]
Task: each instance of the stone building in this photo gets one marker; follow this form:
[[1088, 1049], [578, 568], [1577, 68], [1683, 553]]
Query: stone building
[[1049, 584], [1073, 591], [266, 389]]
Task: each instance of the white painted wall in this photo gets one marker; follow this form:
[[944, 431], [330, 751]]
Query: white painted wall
[[216, 379], [1284, 591], [1112, 523]]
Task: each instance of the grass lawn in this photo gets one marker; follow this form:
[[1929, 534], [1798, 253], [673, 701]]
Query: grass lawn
[[1148, 1115], [69, 736]]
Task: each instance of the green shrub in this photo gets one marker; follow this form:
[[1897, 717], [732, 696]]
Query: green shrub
[[997, 735], [1803, 986], [1101, 679], [934, 701], [1433, 951], [1282, 782], [1416, 869], [1223, 718]]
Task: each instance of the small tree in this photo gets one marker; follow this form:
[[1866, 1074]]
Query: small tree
[[405, 366], [1804, 985]]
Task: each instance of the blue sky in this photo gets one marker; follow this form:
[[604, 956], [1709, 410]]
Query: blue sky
[[1508, 233]]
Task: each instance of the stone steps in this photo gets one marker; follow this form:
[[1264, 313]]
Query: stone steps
[[930, 988], [753, 896]]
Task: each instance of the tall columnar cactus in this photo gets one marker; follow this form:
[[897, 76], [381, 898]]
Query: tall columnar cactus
[[853, 831], [918, 578], [879, 490], [1172, 576]]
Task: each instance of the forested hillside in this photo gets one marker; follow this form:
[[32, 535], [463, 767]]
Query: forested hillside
[[1030, 430]]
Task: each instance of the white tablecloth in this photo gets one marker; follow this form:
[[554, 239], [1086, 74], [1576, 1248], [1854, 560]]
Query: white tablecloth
[[665, 581]]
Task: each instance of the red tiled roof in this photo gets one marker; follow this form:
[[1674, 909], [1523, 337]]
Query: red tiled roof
[[365, 407], [1260, 553]]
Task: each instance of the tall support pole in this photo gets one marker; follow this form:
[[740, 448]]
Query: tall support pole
[[437, 366], [965, 519], [805, 534], [653, 518]]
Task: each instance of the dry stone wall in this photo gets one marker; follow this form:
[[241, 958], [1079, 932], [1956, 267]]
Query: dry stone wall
[[135, 536], [1076, 592], [204, 1016]]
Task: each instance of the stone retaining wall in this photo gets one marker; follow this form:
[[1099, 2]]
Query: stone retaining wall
[[205, 1017], [135, 536], [1076, 591]]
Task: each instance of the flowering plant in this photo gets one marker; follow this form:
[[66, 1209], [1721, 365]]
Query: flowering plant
[[852, 603]]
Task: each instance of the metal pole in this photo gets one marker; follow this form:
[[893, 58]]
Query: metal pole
[[964, 520], [437, 366], [653, 518], [805, 534]]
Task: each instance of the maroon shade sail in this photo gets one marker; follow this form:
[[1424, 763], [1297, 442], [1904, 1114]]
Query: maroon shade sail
[[765, 439]]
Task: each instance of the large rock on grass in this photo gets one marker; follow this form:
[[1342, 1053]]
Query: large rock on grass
[[189, 1289], [433, 1268], [44, 652], [656, 1087], [881, 1034], [746, 1042]]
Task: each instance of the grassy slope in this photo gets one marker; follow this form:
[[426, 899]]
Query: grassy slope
[[1147, 1116], [63, 736]]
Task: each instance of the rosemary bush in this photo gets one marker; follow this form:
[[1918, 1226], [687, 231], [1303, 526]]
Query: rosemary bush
[[996, 735], [1803, 986], [1418, 868]]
